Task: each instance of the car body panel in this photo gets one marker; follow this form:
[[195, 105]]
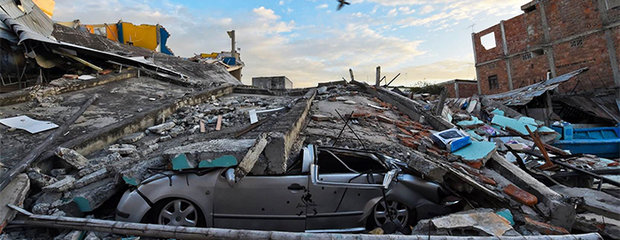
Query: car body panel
[[262, 202], [342, 205]]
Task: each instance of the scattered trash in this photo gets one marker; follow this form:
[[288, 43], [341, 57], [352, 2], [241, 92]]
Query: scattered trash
[[26, 123]]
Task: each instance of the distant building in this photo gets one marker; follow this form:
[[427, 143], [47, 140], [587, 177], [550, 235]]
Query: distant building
[[277, 82], [551, 38], [460, 88]]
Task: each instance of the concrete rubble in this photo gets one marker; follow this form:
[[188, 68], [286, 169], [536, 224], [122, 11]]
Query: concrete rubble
[[513, 181]]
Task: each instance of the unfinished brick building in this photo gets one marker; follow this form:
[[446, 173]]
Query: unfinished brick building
[[551, 38], [460, 88]]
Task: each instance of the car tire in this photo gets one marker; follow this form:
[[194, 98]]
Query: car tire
[[379, 217], [176, 212]]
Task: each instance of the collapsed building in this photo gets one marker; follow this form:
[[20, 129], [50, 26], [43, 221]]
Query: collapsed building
[[76, 146]]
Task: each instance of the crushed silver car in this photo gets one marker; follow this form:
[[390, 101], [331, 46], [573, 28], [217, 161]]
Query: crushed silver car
[[325, 190]]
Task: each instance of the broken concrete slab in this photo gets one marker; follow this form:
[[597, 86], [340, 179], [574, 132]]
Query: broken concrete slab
[[562, 214], [251, 157], [590, 222], [91, 196], [544, 228], [132, 138], [14, 193], [72, 157], [123, 149], [212, 149], [39, 179], [91, 178], [483, 221], [161, 128], [593, 201], [62, 185]]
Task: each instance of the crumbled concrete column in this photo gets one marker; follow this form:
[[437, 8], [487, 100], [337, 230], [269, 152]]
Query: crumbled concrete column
[[72, 157], [251, 157]]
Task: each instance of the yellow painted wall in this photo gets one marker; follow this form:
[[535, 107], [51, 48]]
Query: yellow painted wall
[[141, 36], [47, 6], [112, 32]]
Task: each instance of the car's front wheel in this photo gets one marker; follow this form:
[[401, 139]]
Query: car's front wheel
[[391, 216], [178, 212]]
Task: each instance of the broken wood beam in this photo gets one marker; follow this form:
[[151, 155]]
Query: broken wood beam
[[177, 232], [218, 126], [82, 61], [548, 164], [251, 157], [386, 85], [34, 154]]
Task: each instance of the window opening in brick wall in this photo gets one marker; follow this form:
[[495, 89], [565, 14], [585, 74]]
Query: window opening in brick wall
[[488, 41], [613, 4], [493, 84], [526, 56], [576, 43]]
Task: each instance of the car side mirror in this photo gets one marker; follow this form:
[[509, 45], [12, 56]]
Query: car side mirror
[[230, 176]]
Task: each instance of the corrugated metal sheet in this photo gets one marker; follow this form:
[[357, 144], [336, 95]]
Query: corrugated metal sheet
[[524, 95], [28, 15]]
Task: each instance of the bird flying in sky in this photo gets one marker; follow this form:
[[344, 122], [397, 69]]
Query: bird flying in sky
[[342, 3]]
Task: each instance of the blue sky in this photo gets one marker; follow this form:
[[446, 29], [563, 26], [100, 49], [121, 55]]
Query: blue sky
[[309, 41]]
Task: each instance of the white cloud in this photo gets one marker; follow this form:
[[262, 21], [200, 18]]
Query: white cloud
[[265, 13], [393, 12], [322, 6], [427, 9], [281, 3], [406, 10]]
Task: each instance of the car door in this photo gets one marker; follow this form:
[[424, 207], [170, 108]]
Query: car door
[[339, 208], [262, 203]]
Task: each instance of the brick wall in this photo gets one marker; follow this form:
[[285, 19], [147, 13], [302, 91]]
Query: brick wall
[[496, 68], [570, 17], [483, 55], [449, 86], [467, 89], [576, 41]]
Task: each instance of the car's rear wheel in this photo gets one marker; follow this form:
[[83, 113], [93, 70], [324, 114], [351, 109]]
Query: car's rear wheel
[[391, 216], [178, 212]]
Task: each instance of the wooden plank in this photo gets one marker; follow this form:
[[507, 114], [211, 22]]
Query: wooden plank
[[203, 129], [218, 126]]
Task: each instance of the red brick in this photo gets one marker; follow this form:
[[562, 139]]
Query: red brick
[[320, 117], [105, 72], [544, 228], [70, 76], [405, 131], [520, 195]]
